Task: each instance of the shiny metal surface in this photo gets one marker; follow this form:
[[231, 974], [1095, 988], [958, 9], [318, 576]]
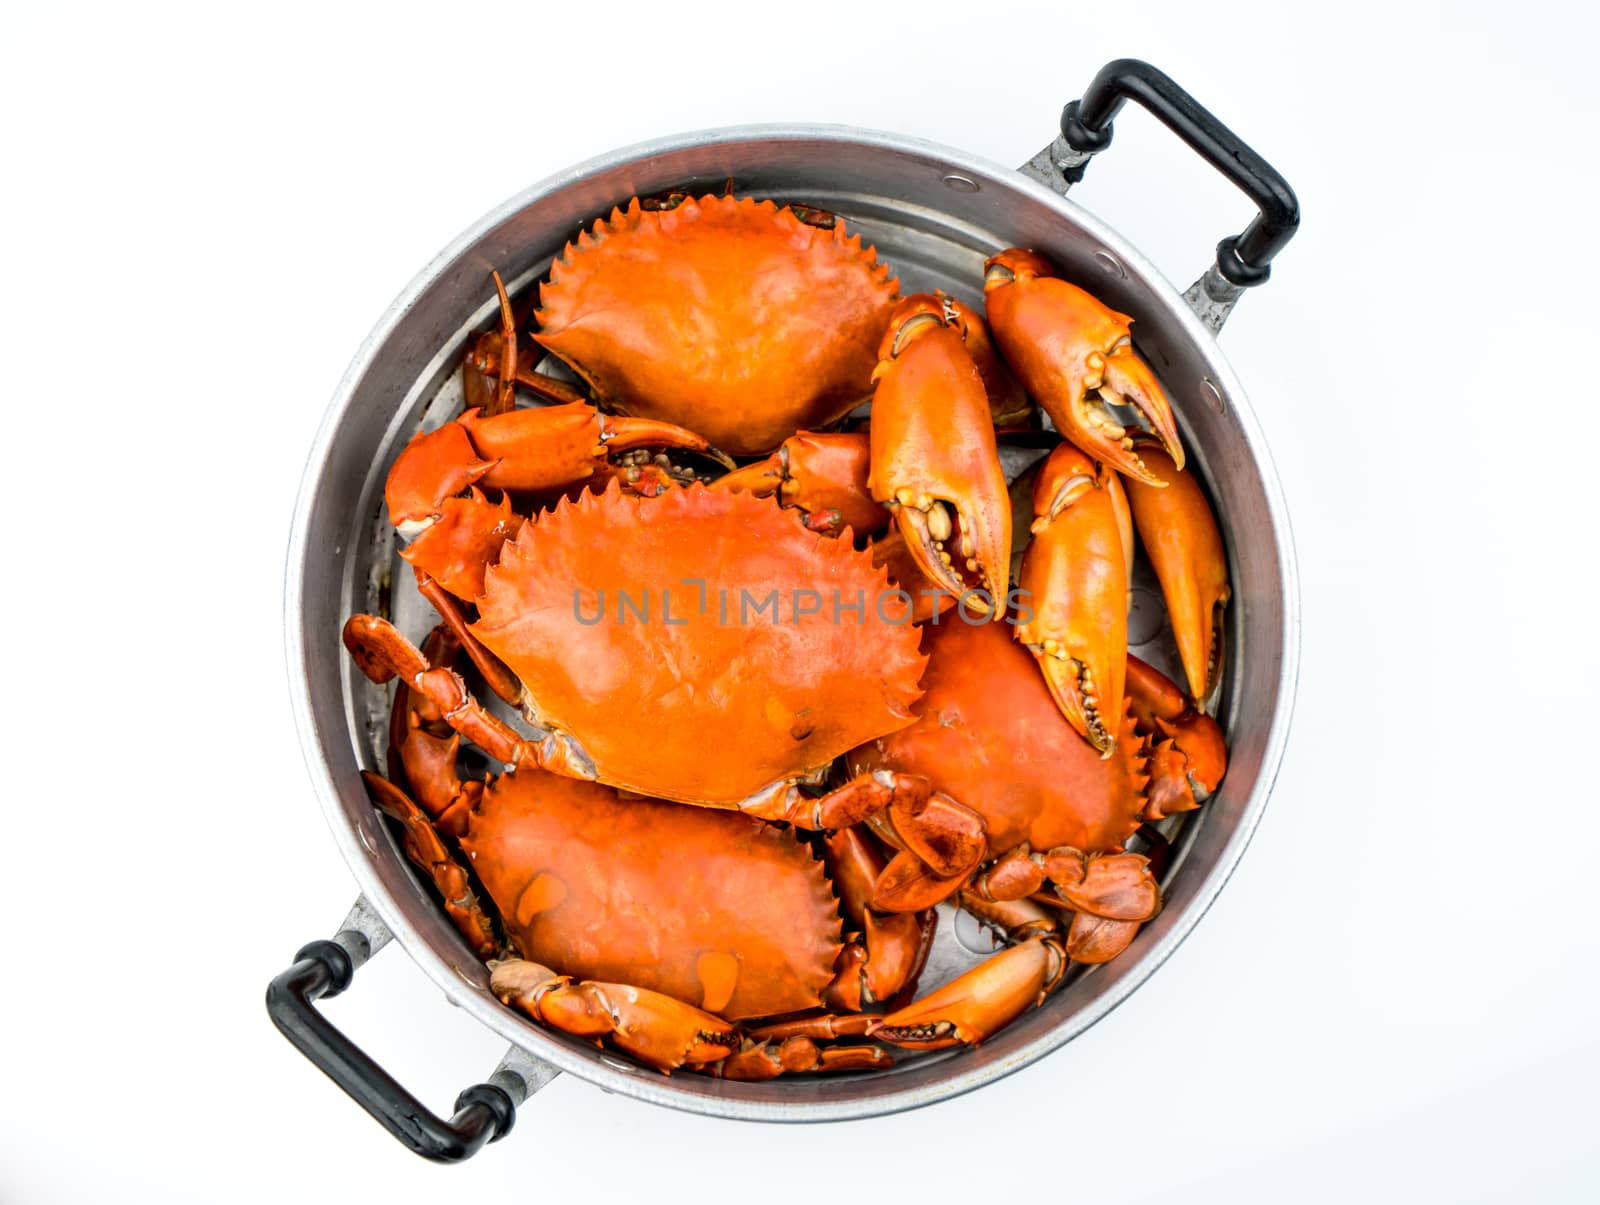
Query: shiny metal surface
[[934, 214]]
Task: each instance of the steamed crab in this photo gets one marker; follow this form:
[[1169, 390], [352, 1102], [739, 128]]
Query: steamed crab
[[672, 636], [1055, 814], [686, 936]]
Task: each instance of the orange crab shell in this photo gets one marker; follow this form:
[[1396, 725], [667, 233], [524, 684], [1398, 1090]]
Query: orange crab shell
[[701, 646], [712, 908], [728, 316], [989, 734]]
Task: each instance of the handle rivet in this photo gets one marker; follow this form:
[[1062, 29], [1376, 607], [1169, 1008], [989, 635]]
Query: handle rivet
[[1213, 395], [960, 183], [1110, 263]]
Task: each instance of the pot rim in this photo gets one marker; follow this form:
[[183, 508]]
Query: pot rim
[[613, 1075]]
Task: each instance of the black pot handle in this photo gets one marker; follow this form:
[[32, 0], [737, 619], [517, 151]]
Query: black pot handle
[[1243, 260], [483, 1113]]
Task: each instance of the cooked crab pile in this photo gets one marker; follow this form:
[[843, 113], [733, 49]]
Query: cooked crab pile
[[791, 662]]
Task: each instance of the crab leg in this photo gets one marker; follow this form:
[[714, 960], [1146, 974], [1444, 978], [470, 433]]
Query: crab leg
[[381, 653], [934, 459], [763, 1061], [450, 556], [662, 1031], [1074, 356], [1014, 920], [496, 674], [823, 475], [941, 841], [422, 758], [893, 946], [823, 1027], [665, 1032], [1088, 939], [408, 714], [1188, 755], [1075, 582], [533, 450], [425, 848], [497, 365], [981, 1002], [1180, 536]]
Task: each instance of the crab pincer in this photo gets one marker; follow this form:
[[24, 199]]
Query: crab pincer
[[664, 1032], [979, 1003], [1188, 752], [934, 459], [823, 475], [1073, 354], [1074, 580], [1180, 536], [536, 450]]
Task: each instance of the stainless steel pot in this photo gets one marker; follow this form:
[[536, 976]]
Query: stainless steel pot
[[934, 214]]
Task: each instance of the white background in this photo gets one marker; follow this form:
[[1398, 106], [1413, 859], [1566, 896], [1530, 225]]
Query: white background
[[202, 214]]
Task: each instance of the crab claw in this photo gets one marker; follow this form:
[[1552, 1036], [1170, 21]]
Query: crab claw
[[1124, 513], [934, 459], [464, 539], [1181, 538], [1094, 939], [434, 466], [1115, 886], [1074, 356], [534, 450], [552, 447], [1074, 582], [823, 475], [1188, 754], [979, 1003], [922, 598], [664, 1032]]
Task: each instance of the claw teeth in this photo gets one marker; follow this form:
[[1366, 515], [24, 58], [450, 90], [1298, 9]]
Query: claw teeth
[[1091, 709], [939, 526], [928, 1032], [905, 496]]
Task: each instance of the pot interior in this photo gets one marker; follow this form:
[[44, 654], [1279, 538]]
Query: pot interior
[[934, 215]]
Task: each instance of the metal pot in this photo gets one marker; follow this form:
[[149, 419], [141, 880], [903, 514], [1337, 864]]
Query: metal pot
[[934, 214]]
